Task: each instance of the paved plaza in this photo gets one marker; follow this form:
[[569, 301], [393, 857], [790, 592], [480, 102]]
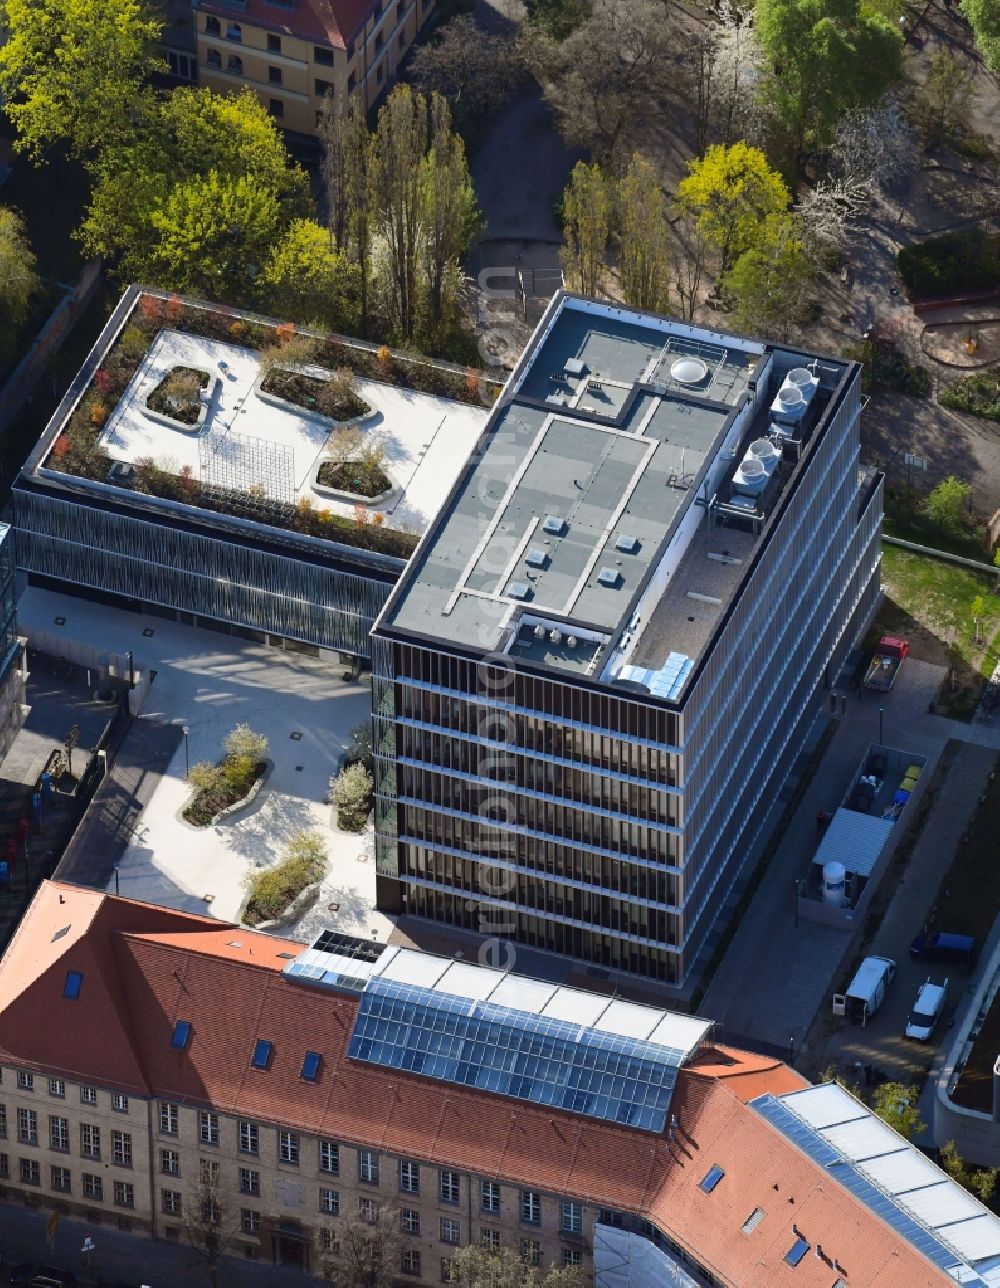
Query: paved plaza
[[210, 682], [425, 438]]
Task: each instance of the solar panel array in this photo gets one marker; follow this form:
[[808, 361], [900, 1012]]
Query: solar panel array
[[866, 1148], [476, 1043]]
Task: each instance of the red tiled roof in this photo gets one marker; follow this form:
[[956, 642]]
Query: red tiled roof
[[146, 967], [327, 22]]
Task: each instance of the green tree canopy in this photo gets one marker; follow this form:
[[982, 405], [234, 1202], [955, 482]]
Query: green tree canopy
[[826, 57], [768, 286], [586, 228], [75, 70], [644, 243], [984, 19], [896, 1104], [308, 280], [729, 192], [18, 279], [947, 504], [199, 146]]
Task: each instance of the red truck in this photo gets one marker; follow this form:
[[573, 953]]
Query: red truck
[[882, 669]]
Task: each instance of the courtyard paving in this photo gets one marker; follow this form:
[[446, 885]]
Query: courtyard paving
[[210, 682]]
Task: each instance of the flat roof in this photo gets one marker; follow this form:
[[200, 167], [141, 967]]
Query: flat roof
[[592, 459], [252, 441]]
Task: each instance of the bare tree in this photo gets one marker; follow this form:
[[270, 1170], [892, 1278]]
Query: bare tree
[[689, 251], [69, 742], [475, 70], [475, 1267], [827, 212], [875, 147], [211, 1228], [614, 71], [366, 1248], [725, 66]]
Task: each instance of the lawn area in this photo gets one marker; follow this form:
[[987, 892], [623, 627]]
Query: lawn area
[[929, 602]]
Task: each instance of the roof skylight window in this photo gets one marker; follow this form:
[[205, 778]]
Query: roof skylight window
[[261, 1054], [797, 1251], [753, 1221], [182, 1033], [74, 982], [310, 1065], [711, 1178]]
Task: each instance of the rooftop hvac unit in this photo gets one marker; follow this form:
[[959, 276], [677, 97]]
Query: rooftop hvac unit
[[554, 524], [571, 642], [536, 557], [765, 452], [609, 577], [519, 590], [539, 632], [751, 477], [794, 396], [627, 544], [555, 636]]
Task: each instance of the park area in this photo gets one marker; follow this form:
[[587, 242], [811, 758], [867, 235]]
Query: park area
[[950, 615]]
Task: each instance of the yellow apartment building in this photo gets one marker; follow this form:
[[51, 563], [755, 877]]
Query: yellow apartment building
[[293, 54]]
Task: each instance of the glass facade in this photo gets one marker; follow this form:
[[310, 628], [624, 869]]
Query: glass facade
[[297, 595], [570, 816]]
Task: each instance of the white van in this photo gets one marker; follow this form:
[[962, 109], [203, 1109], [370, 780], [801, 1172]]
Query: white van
[[866, 990], [926, 1011]]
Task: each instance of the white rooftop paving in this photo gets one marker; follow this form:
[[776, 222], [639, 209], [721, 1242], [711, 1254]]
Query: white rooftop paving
[[426, 439], [211, 682]]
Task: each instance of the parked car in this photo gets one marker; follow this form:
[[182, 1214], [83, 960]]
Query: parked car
[[866, 991], [926, 1011], [962, 950], [34, 1276]]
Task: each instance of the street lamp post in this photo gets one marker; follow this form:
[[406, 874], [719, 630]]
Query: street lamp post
[[187, 752], [881, 726]]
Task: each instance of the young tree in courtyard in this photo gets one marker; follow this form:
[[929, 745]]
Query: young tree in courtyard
[[644, 241], [210, 1224], [361, 201], [475, 70], [730, 192], [896, 1104], [586, 228], [825, 57], [942, 107], [768, 287], [74, 71]]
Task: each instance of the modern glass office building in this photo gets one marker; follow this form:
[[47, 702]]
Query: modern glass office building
[[606, 652]]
